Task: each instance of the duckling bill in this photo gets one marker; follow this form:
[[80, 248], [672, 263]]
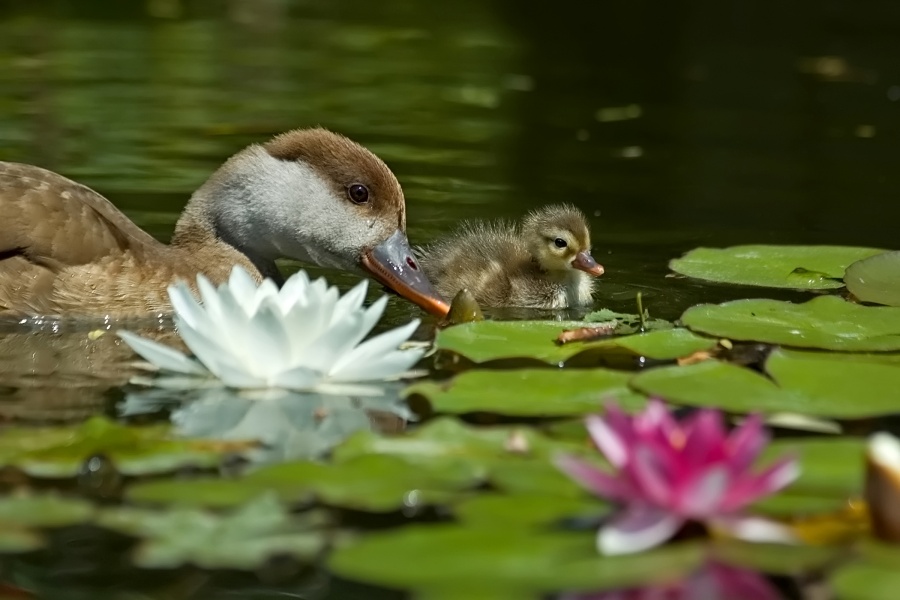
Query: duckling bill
[[543, 261]]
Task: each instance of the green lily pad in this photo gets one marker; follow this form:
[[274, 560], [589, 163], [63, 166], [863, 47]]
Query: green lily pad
[[19, 540], [666, 344], [876, 279], [797, 267], [775, 559], [800, 382], [46, 510], [485, 341], [627, 323], [367, 482], [502, 558], [514, 459], [525, 509], [528, 392], [826, 322], [828, 466], [62, 451], [244, 539], [864, 581]]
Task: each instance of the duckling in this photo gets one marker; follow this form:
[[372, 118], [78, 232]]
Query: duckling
[[544, 261], [308, 194]]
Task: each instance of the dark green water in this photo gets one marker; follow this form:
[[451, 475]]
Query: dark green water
[[671, 124]]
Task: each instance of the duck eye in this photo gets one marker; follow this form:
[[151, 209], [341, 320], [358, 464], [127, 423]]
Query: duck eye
[[358, 193], [560, 243]]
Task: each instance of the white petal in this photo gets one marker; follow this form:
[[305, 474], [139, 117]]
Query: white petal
[[637, 528], [162, 356], [351, 301], [267, 349], [267, 289], [210, 296], [377, 346], [755, 529], [705, 493], [335, 342], [186, 306], [294, 290], [299, 378], [213, 356], [388, 366], [242, 286]]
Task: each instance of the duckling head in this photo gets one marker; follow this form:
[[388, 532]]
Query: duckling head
[[559, 239]]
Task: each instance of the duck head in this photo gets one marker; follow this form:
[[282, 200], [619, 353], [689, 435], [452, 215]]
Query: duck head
[[559, 239], [318, 197]]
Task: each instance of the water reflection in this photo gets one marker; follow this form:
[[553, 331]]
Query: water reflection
[[290, 425], [713, 581]]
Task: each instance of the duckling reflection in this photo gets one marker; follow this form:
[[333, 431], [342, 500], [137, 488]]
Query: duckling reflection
[[544, 261], [289, 425]]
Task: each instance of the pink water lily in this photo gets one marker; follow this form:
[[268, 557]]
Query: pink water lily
[[668, 473]]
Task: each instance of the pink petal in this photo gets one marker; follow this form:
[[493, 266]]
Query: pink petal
[[704, 441], [607, 440], [746, 442], [637, 528], [648, 474], [750, 488], [702, 496], [741, 584], [655, 422], [593, 479]]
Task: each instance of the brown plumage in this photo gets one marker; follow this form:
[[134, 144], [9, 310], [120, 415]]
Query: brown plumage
[[66, 250], [543, 261]]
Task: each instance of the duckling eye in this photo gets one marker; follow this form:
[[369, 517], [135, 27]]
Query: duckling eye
[[560, 243], [358, 193]]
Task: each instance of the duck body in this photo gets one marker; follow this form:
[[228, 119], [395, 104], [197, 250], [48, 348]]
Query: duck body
[[517, 264], [310, 195]]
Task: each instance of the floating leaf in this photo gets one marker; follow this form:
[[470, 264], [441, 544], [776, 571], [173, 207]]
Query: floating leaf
[[18, 540], [775, 559], [496, 340], [824, 322], [525, 509], [61, 451], [244, 539], [514, 458], [798, 267], [528, 392], [502, 558], [627, 323], [876, 279], [46, 510], [863, 581], [801, 382], [366, 482]]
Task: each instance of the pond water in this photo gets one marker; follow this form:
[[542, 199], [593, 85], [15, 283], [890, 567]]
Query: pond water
[[672, 125]]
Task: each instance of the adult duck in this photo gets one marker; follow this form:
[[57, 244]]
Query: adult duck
[[310, 195], [543, 261]]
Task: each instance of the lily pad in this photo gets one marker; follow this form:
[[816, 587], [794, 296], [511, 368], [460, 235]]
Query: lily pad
[[485, 341], [244, 539], [514, 459], [796, 267], [502, 558], [775, 559], [627, 323], [876, 279], [367, 482], [865, 581], [826, 322], [46, 510], [800, 382], [525, 509], [528, 392], [19, 540], [62, 451]]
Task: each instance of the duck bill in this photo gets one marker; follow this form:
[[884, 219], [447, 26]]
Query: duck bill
[[392, 264], [585, 262]]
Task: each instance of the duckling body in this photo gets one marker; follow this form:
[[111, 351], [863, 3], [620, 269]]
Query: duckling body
[[311, 195], [543, 261]]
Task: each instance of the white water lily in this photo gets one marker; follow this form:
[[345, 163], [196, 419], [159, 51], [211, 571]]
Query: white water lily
[[301, 337]]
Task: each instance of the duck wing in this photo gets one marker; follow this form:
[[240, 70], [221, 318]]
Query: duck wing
[[53, 227]]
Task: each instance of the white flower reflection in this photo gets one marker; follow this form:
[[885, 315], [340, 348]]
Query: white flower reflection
[[289, 425], [301, 337]]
